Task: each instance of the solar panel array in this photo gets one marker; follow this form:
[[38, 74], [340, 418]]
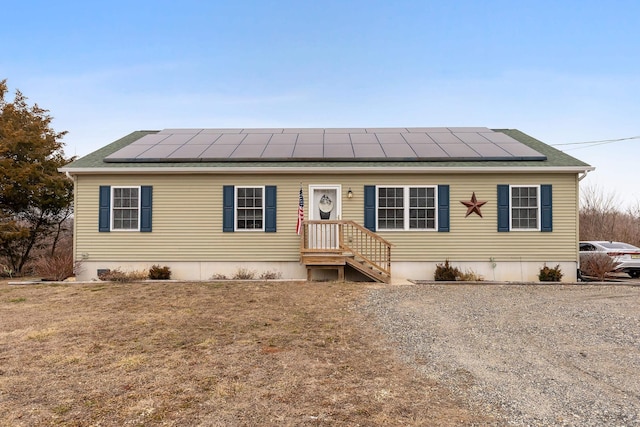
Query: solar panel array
[[332, 144]]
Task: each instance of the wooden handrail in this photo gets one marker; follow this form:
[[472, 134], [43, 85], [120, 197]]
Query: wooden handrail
[[362, 246], [353, 223]]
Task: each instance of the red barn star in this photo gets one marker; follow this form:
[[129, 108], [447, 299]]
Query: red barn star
[[473, 205]]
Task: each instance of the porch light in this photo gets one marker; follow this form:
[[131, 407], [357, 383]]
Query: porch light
[[349, 193]]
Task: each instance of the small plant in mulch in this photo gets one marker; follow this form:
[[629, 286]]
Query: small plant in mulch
[[219, 276], [446, 272], [548, 274], [159, 273], [117, 275]]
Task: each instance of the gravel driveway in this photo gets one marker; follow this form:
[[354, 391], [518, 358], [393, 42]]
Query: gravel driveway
[[533, 354]]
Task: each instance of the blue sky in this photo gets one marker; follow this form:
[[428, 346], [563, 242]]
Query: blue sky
[[561, 71]]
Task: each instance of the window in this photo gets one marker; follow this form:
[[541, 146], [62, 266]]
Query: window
[[249, 208], [125, 208], [406, 208], [125, 202], [525, 208]]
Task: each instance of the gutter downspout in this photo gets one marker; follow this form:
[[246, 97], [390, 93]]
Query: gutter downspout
[[75, 197]]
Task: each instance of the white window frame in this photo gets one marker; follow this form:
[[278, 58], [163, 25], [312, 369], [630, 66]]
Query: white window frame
[[113, 208], [406, 207], [539, 210], [235, 208]]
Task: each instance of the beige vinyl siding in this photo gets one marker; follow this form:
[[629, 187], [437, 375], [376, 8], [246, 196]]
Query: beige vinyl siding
[[187, 219], [474, 238]]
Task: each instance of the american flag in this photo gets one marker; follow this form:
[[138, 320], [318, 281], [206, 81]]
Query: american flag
[[300, 212]]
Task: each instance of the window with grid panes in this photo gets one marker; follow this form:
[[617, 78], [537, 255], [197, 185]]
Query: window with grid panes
[[422, 208], [524, 208], [406, 208], [126, 208], [249, 208]]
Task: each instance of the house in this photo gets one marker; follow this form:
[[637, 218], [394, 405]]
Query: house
[[383, 203]]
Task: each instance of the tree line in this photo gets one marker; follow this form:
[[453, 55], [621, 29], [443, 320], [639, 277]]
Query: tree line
[[602, 219]]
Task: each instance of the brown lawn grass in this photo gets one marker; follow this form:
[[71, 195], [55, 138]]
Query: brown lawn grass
[[227, 354]]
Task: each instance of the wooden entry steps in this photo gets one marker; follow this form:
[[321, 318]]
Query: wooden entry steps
[[345, 244], [325, 261]]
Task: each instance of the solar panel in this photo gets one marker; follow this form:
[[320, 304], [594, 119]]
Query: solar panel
[[188, 152], [151, 139], [230, 139], [335, 144], [278, 151], [367, 138], [288, 139], [391, 138], [338, 151], [257, 139], [418, 138], [471, 137], [129, 153], [444, 137], [176, 139], [337, 139], [160, 151], [204, 139], [218, 151], [248, 151], [429, 151], [399, 151], [462, 151], [309, 151], [489, 150], [310, 138], [369, 151]]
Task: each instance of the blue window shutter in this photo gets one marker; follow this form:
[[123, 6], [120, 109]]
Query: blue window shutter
[[104, 215], [270, 208], [503, 207], [370, 207], [146, 203], [228, 194], [443, 208], [546, 216]]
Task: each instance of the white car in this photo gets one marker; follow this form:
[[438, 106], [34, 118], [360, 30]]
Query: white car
[[628, 256]]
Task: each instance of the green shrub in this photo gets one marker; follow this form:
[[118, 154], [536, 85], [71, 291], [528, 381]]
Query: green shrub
[[159, 273], [550, 274], [446, 272]]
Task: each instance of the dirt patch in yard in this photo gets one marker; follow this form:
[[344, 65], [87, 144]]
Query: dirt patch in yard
[[207, 354]]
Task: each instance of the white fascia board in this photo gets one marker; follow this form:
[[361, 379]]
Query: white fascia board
[[323, 170]]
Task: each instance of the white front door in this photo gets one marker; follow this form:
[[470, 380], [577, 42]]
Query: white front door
[[325, 205]]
